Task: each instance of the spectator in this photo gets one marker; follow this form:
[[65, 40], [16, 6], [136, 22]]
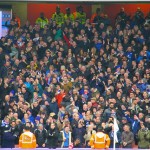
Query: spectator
[[78, 135], [75, 120], [143, 137], [53, 108], [52, 137], [40, 135], [107, 112], [2, 56], [135, 122], [8, 139], [111, 135], [15, 131], [66, 137], [89, 133], [27, 118], [127, 137]]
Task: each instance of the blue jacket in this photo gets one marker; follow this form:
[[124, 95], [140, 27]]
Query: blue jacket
[[98, 46], [142, 57], [139, 58], [66, 142], [148, 55], [142, 86], [31, 118], [135, 124], [130, 56]]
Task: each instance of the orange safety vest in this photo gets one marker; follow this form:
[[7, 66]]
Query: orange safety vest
[[75, 15], [99, 140], [17, 19], [93, 16], [27, 140]]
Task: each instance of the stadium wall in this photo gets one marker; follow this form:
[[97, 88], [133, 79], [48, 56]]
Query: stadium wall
[[113, 9], [34, 9], [31, 10]]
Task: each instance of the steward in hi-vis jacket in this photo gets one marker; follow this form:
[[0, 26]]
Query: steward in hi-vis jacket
[[27, 139], [99, 140]]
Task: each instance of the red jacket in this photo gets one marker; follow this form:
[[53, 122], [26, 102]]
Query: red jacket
[[59, 97]]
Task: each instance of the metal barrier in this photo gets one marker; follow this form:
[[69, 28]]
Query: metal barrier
[[67, 149]]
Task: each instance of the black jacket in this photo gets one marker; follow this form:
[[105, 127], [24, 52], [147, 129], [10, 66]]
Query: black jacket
[[8, 140], [15, 131], [40, 137], [52, 138]]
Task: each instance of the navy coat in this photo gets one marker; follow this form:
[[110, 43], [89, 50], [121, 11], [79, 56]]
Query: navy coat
[[8, 140]]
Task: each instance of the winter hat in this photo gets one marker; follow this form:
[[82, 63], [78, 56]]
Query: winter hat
[[37, 118], [12, 92]]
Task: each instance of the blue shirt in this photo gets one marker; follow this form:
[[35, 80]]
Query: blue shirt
[[66, 142]]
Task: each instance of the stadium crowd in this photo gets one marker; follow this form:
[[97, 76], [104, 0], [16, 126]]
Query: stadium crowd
[[67, 76]]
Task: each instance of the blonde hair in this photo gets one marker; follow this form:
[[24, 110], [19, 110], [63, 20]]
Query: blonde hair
[[62, 67]]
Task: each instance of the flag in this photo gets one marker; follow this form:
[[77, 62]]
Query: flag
[[116, 129], [66, 39]]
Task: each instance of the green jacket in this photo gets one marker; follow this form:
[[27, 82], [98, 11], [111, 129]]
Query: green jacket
[[144, 138], [58, 35]]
